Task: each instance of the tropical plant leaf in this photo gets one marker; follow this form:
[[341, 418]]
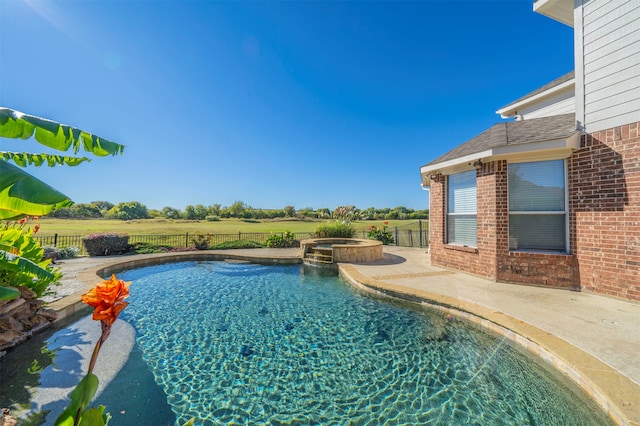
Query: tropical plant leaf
[[9, 293], [23, 195], [93, 417], [24, 159], [80, 398], [17, 125], [13, 262]]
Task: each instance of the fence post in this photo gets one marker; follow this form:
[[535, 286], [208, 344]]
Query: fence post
[[239, 234], [420, 230], [396, 228], [55, 240], [186, 239]]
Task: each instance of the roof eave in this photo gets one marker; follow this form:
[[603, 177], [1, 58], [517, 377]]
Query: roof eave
[[533, 151], [510, 110]]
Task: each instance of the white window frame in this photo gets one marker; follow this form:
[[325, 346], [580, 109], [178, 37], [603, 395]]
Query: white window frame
[[450, 214], [553, 212]]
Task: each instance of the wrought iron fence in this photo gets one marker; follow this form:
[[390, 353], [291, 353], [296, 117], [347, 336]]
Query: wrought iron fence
[[414, 234]]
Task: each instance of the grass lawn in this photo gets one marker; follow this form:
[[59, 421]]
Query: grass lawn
[[50, 226]]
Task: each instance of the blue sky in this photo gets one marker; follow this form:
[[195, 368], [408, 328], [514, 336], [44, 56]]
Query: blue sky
[[303, 103]]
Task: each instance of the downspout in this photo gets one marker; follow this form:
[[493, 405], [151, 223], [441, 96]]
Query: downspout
[[428, 189]]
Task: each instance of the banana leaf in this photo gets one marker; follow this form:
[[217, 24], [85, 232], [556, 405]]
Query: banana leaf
[[23, 195], [17, 125]]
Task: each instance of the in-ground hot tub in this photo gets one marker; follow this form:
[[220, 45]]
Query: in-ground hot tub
[[334, 250]]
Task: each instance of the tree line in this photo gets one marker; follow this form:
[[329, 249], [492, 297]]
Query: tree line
[[135, 210]]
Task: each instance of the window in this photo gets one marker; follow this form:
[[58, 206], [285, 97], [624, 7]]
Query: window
[[461, 209], [537, 206]]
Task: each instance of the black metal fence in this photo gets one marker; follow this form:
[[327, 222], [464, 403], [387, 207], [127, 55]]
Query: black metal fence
[[414, 234]]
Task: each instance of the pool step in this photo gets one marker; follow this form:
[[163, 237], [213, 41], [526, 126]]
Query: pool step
[[320, 255]]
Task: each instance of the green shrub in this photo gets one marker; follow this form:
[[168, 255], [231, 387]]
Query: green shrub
[[334, 230], [238, 244], [68, 252], [22, 261], [212, 218], [106, 244], [380, 234], [287, 239], [147, 248], [201, 241]]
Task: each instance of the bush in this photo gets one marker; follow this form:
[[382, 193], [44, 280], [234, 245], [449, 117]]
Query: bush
[[334, 230], [212, 218], [106, 244], [238, 244], [68, 252], [287, 239], [380, 234], [147, 248], [201, 241]]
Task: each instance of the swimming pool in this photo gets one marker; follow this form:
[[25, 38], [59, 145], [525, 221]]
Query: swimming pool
[[251, 344]]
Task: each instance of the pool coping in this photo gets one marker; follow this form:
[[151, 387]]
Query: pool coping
[[615, 393]]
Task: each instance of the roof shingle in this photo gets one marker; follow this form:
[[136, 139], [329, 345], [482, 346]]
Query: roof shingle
[[514, 133]]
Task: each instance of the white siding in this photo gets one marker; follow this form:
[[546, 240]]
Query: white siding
[[610, 38], [563, 103]]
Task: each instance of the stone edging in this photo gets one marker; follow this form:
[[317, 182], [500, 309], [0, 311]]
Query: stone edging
[[615, 393]]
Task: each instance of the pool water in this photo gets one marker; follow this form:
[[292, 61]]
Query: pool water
[[243, 343], [249, 344]]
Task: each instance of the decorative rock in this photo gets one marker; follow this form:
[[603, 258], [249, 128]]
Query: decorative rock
[[11, 306], [9, 339], [21, 318], [27, 293], [49, 314], [10, 323], [36, 304]]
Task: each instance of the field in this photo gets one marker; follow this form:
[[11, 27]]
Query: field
[[50, 227]]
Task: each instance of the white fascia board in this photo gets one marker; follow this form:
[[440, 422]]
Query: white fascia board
[[510, 110], [456, 163], [559, 10]]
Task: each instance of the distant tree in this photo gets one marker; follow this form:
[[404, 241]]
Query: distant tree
[[154, 213], [103, 205], [190, 212], [77, 211], [214, 210], [346, 213], [289, 211], [85, 211], [237, 209], [129, 210], [369, 213], [323, 213], [200, 211], [171, 213]]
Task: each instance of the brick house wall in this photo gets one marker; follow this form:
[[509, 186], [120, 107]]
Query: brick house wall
[[604, 222], [605, 211], [492, 258]]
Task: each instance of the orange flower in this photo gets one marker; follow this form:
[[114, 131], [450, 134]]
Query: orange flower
[[107, 299], [36, 229]]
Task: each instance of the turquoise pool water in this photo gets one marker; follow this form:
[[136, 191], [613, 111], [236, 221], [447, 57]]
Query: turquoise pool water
[[233, 343]]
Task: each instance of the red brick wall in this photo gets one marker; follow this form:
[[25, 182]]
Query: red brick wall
[[479, 261], [605, 211], [604, 222]]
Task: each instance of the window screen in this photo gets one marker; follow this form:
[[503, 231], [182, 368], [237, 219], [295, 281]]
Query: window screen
[[537, 206], [461, 209]]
